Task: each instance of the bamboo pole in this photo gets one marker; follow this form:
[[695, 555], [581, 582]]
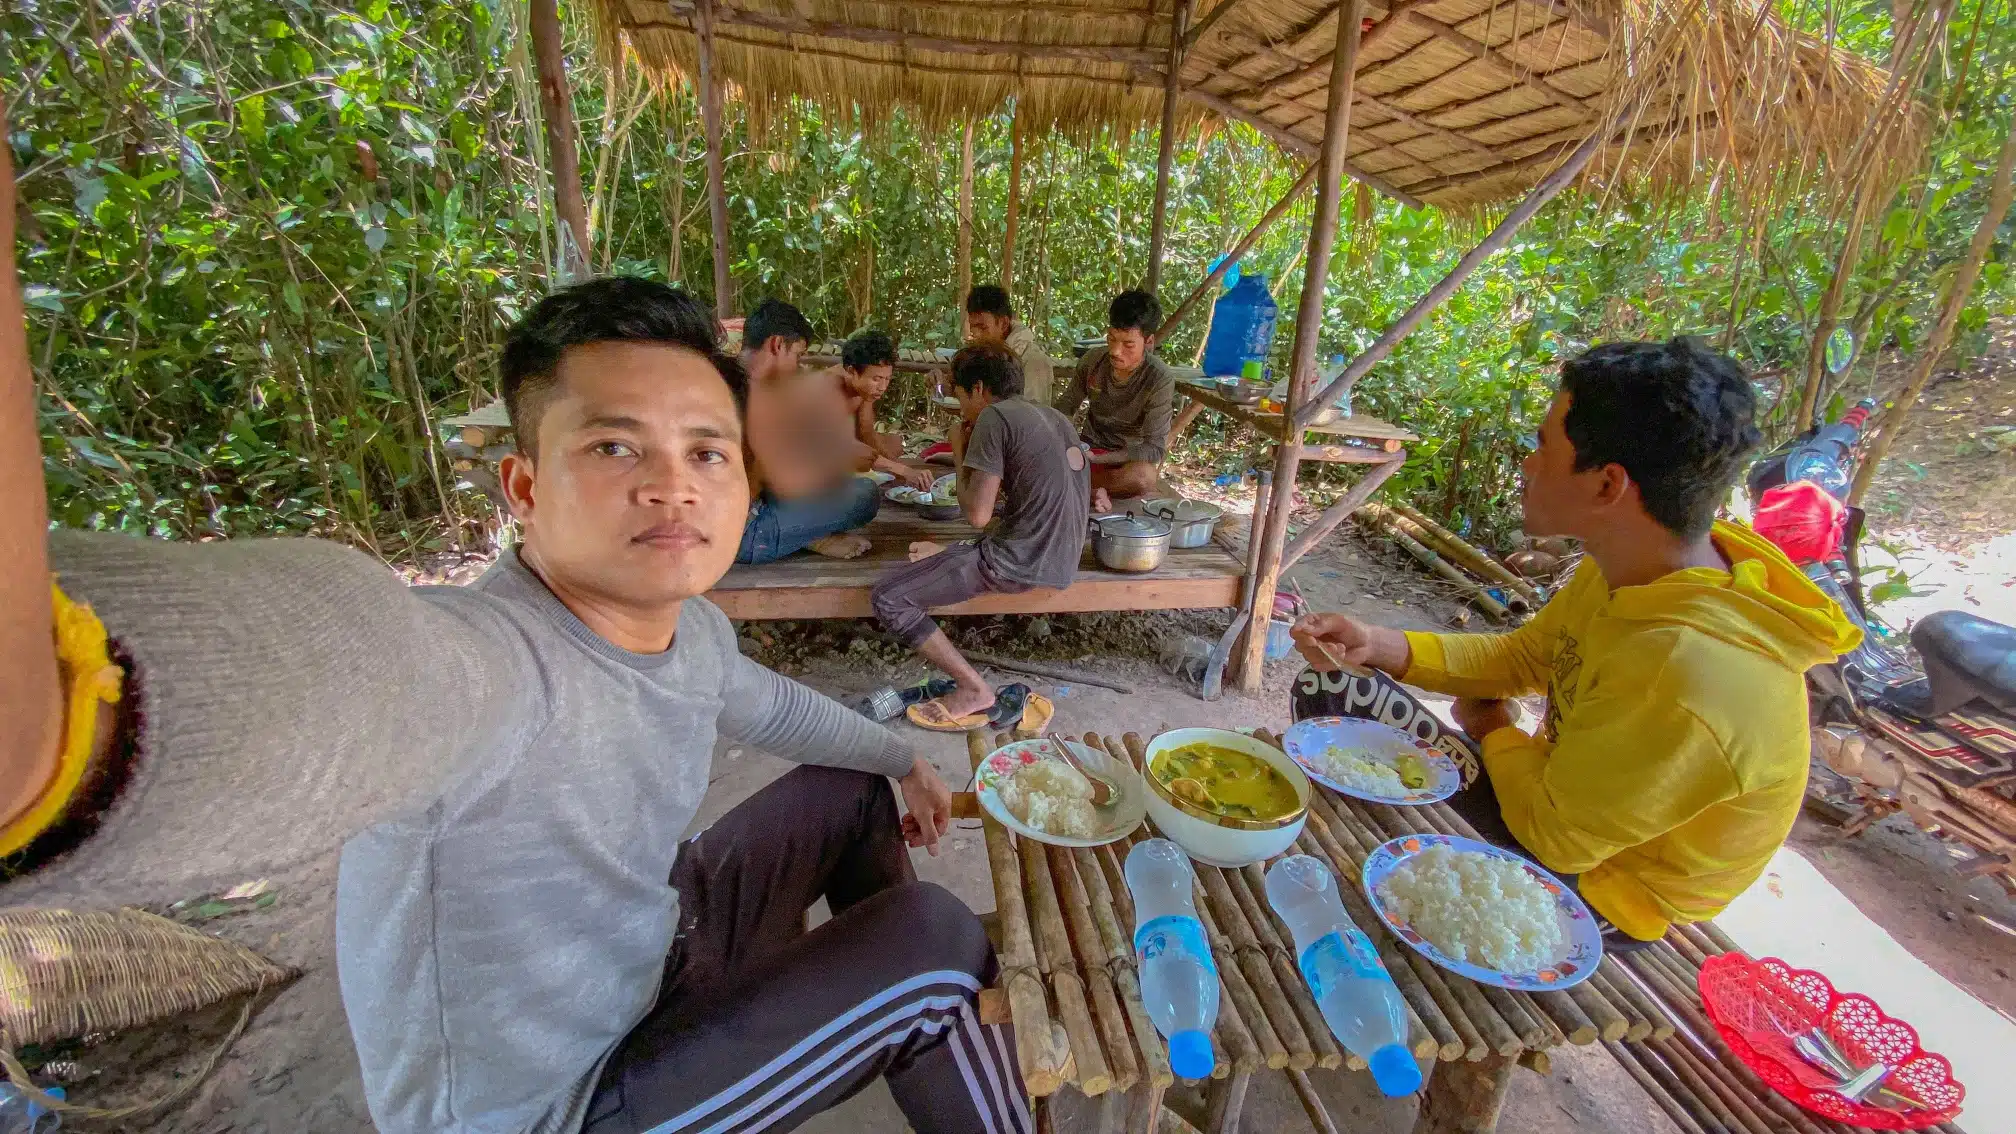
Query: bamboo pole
[[963, 264], [1471, 261], [1053, 954], [1569, 1017], [1035, 1049], [1454, 546], [1639, 1026], [1713, 1085], [1240, 999], [1251, 957], [1369, 482], [1951, 302], [556, 106], [1308, 325], [1014, 204], [1107, 912], [1683, 1115], [1126, 54], [1244, 246], [1094, 964], [1723, 941], [1312, 1104], [1171, 93], [1472, 590], [1641, 1001], [1608, 1020], [710, 124], [1247, 884]]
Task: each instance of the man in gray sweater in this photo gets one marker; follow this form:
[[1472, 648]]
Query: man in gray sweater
[[524, 944]]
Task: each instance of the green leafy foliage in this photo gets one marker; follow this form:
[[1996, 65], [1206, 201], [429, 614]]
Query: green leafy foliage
[[267, 245]]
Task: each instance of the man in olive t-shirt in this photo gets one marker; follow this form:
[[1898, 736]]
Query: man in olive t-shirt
[[1129, 394], [1007, 447]]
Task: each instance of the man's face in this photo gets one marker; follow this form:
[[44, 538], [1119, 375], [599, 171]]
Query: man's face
[[776, 358], [971, 401], [638, 494], [873, 382], [1127, 348], [986, 327], [1554, 498]]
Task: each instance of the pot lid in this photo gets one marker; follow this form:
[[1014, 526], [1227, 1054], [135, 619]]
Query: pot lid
[[1185, 511], [1132, 526]]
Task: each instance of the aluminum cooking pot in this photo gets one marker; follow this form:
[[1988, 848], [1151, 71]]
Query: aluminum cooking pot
[[1130, 543], [1190, 521]]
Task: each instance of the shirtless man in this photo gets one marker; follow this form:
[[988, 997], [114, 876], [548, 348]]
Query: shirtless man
[[867, 363], [803, 453], [1128, 392]]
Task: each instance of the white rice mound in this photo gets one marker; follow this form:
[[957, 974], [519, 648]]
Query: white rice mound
[[1476, 908], [1360, 773], [1052, 797]]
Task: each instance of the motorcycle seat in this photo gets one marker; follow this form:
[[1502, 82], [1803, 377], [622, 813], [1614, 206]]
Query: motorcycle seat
[[1966, 657]]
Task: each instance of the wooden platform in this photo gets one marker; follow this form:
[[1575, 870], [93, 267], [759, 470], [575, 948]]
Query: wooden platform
[[812, 586]]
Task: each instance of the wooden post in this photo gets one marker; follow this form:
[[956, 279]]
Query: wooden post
[[1471, 261], [1308, 322], [1244, 246], [717, 191], [965, 262], [1014, 205], [1950, 305], [556, 107], [1171, 94], [1465, 1098]]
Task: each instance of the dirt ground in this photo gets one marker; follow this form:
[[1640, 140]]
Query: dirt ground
[[1944, 501]]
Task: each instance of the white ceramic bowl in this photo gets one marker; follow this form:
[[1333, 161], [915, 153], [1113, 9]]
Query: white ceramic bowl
[[1214, 839]]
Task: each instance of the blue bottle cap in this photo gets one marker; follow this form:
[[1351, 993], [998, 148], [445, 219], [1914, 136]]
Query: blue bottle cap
[[1394, 1069], [1190, 1055]]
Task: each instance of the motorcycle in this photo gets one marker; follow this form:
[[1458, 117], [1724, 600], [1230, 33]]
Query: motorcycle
[[1930, 731]]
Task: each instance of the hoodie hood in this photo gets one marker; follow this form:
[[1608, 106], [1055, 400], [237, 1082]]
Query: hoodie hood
[[1763, 603]]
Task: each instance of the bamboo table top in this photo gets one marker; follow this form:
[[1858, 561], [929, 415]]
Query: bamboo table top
[[1069, 978]]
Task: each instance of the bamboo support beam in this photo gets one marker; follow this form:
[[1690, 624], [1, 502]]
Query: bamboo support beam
[[1684, 1114], [1369, 483], [1094, 963], [1396, 17], [710, 124], [1542, 193], [1122, 53], [1194, 36], [1505, 62], [1312, 1105], [556, 107], [1240, 249], [1042, 1064], [1308, 325], [1226, 108], [1014, 206], [1158, 225], [963, 255]]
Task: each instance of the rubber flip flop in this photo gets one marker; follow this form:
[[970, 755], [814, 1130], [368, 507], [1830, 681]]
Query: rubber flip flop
[[932, 717], [1009, 701], [1036, 717]]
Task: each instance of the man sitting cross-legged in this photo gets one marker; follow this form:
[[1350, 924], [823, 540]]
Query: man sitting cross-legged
[[1672, 758], [803, 452], [524, 943], [1005, 445], [1130, 392]]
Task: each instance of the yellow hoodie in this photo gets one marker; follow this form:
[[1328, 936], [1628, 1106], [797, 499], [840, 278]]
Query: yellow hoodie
[[1673, 758]]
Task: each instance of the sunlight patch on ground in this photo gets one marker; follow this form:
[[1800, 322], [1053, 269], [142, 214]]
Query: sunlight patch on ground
[[1795, 914], [1980, 579]]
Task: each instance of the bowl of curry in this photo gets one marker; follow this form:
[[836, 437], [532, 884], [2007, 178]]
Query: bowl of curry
[[1227, 798]]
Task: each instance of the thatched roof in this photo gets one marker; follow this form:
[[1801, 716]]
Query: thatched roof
[[1457, 102]]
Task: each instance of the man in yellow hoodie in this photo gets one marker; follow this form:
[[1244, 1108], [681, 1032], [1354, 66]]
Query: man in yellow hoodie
[[1672, 758]]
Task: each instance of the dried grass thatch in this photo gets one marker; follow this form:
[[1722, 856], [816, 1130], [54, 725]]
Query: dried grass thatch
[[1458, 103]]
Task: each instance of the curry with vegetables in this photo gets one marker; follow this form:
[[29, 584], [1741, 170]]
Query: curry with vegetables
[[1226, 781]]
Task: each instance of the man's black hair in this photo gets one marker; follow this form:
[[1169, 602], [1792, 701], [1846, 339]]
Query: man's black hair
[[1676, 415], [775, 319], [866, 349], [989, 300], [991, 366], [1135, 311], [607, 310]]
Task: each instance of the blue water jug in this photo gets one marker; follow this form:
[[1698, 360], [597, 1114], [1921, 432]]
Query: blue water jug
[[1242, 327]]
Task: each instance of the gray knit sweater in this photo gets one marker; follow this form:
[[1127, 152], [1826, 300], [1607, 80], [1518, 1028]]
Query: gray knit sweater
[[509, 788]]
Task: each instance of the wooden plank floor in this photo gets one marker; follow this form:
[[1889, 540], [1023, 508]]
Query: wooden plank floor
[[813, 586]]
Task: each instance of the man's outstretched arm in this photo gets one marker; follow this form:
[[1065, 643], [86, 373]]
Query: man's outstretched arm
[[31, 706]]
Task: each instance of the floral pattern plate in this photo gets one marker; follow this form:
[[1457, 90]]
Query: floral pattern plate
[[1582, 941], [1380, 743], [1122, 817]]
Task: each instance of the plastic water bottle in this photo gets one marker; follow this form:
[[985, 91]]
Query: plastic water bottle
[[1357, 998], [1179, 981]]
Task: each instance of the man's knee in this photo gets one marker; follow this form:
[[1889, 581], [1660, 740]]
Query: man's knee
[[1135, 478], [947, 933], [864, 499]]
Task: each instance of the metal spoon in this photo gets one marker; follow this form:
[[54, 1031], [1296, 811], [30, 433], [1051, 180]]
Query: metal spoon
[[1104, 794]]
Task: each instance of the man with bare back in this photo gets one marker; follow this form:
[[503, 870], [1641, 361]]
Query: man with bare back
[[803, 451]]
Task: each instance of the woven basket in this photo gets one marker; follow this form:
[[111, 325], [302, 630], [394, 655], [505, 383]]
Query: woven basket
[[65, 974]]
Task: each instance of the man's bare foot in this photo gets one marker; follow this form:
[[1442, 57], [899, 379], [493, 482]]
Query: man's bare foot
[[962, 701], [924, 549], [841, 545], [1101, 503]]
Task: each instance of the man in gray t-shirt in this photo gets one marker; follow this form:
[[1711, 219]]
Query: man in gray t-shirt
[[1026, 458]]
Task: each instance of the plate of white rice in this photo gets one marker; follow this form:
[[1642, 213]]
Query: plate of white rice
[[1034, 792], [1368, 760], [1483, 912]]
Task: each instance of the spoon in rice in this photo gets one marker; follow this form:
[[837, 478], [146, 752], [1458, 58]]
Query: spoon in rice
[[1103, 792]]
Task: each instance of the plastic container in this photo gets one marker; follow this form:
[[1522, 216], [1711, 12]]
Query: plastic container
[[1242, 328], [1179, 981], [1351, 988]]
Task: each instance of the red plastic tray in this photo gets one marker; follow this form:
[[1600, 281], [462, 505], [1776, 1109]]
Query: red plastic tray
[[1753, 1002]]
